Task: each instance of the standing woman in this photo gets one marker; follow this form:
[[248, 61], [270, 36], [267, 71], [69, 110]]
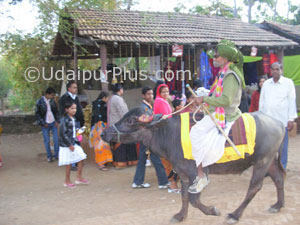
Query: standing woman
[[123, 154], [102, 150], [256, 95], [161, 106]]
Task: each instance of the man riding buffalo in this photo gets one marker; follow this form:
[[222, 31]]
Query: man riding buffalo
[[223, 100]]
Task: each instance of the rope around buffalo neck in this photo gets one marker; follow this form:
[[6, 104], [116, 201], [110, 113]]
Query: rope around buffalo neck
[[194, 114]]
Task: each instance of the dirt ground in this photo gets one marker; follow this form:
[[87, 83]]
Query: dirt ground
[[32, 193]]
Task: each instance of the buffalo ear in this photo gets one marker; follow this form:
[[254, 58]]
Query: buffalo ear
[[145, 118], [157, 121]]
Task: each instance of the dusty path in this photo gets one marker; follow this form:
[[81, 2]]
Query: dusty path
[[31, 193]]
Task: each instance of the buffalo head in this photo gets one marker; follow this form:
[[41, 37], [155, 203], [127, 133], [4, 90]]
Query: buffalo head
[[132, 127]]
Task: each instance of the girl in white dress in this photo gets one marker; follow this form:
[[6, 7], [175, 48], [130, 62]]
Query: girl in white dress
[[69, 147]]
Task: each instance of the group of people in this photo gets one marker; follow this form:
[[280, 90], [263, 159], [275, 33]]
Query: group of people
[[69, 118], [275, 97]]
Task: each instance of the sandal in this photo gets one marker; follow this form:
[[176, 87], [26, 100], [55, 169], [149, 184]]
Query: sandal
[[81, 181], [103, 168], [70, 185], [175, 191]]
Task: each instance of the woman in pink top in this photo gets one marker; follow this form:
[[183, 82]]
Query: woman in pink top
[[161, 106]]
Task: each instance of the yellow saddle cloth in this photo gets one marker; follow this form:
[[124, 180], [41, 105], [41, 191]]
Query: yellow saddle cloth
[[229, 152]]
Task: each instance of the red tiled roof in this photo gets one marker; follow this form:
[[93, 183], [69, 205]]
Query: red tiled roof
[[157, 27]]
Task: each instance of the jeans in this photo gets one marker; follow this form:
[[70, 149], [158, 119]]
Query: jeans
[[46, 136], [141, 168], [284, 154]]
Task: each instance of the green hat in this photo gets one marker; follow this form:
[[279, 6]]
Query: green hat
[[228, 50]]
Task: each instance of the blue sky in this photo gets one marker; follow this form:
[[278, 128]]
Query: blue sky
[[23, 16]]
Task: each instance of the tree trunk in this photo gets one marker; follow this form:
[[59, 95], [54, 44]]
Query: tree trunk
[[235, 9], [275, 10], [249, 10], [129, 4], [288, 12]]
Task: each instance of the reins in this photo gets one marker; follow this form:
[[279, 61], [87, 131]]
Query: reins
[[119, 133], [194, 114]]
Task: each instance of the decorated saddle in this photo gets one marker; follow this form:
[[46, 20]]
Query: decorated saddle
[[242, 134]]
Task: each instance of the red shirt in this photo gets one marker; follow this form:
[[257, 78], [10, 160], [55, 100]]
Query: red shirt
[[254, 101]]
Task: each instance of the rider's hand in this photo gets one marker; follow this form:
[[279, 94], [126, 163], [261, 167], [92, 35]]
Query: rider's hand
[[290, 125], [199, 100]]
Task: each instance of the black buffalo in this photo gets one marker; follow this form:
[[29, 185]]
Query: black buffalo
[[163, 138]]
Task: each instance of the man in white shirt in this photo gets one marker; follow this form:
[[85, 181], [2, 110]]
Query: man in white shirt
[[278, 100]]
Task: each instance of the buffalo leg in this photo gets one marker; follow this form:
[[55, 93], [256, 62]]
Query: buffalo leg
[[207, 210], [187, 171], [277, 175], [184, 196], [259, 172]]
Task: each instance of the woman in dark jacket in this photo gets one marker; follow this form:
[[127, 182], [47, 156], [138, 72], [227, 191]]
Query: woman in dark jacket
[[102, 150], [99, 112]]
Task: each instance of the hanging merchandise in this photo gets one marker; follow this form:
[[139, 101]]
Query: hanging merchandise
[[250, 73], [205, 70], [253, 51], [266, 63], [195, 65], [169, 73], [273, 58], [177, 66], [177, 50], [214, 70]]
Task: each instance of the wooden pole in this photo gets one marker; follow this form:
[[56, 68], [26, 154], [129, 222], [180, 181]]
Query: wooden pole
[[215, 122], [103, 57], [280, 56], [137, 64], [75, 56]]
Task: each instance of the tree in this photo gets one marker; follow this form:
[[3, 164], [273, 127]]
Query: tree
[[50, 12], [5, 82], [296, 11], [21, 52], [217, 8], [179, 8], [235, 9], [11, 2], [250, 4]]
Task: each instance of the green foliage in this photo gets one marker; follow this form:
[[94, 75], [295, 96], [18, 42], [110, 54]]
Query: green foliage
[[216, 8], [179, 8], [295, 9], [5, 81], [50, 12], [19, 53]]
